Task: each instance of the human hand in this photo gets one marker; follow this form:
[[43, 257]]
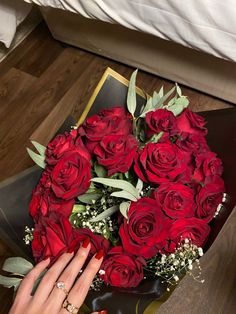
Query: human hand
[[58, 292]]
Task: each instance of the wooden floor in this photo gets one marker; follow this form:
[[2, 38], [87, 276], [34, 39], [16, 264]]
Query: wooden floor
[[42, 78]]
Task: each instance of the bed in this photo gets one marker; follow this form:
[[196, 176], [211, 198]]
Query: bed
[[12, 13], [192, 43]]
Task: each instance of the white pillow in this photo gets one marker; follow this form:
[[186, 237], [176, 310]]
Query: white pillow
[[12, 13]]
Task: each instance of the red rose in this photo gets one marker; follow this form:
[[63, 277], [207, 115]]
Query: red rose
[[193, 229], [190, 142], [116, 152], [191, 122], [98, 242], [107, 122], [57, 147], [71, 176], [122, 269], [160, 120], [207, 164], [45, 180], [176, 200], [53, 235], [145, 231], [162, 162], [209, 197], [43, 201]]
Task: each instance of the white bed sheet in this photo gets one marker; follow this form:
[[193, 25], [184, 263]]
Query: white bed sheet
[[207, 25], [12, 13]]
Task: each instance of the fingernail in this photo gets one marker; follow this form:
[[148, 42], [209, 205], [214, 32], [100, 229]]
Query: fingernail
[[70, 250], [86, 242], [99, 254], [103, 312]]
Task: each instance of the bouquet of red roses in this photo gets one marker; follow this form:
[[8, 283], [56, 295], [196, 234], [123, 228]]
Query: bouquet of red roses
[[141, 183]]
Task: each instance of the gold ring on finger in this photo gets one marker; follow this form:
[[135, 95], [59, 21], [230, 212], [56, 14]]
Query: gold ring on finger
[[61, 285], [69, 307]]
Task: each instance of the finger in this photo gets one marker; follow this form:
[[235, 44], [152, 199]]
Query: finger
[[28, 282], [82, 285], [69, 275], [47, 283]]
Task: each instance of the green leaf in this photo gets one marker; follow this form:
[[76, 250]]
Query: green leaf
[[119, 184], [40, 148], [148, 107], [155, 99], [91, 188], [100, 170], [124, 194], [155, 138], [178, 90], [171, 102], [164, 98], [88, 198], [38, 159], [17, 265], [131, 97], [124, 208], [139, 185], [9, 282], [161, 92], [142, 135], [180, 104], [78, 208], [107, 213]]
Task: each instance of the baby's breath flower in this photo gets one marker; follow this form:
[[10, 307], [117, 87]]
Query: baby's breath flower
[[173, 266], [28, 238]]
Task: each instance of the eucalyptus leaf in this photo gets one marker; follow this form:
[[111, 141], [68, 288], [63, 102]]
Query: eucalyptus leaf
[[40, 148], [38, 159], [17, 265], [124, 194], [178, 90], [164, 98], [171, 102], [180, 104], [131, 97], [78, 208], [9, 282], [155, 99], [142, 135], [119, 184], [88, 198], [161, 92], [91, 188], [100, 170], [126, 175], [148, 107], [124, 208], [155, 138], [107, 213], [139, 185]]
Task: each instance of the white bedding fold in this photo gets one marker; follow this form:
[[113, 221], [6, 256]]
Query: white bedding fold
[[207, 25], [12, 13]]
